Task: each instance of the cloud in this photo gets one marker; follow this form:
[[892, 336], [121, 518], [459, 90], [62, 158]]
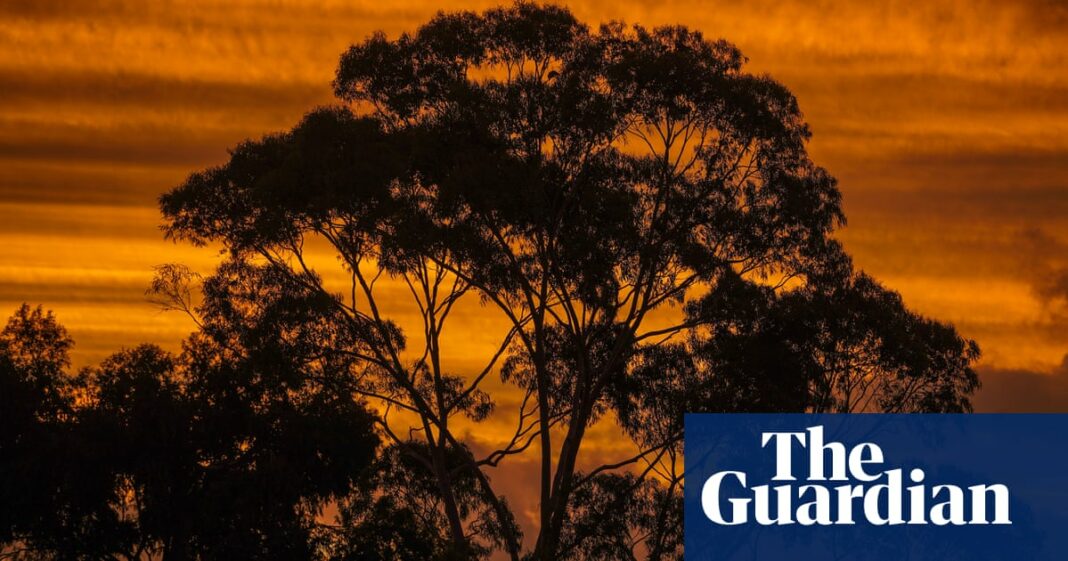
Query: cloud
[[1047, 259], [1055, 287], [91, 184], [1023, 391], [35, 88], [122, 145]]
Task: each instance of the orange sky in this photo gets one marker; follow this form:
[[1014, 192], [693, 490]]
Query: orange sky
[[947, 125]]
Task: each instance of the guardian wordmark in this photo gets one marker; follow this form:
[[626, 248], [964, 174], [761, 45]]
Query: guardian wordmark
[[854, 484]]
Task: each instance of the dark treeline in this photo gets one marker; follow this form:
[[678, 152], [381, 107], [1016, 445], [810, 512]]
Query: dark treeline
[[226, 451], [640, 210]]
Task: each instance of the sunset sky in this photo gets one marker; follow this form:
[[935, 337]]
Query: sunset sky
[[946, 124]]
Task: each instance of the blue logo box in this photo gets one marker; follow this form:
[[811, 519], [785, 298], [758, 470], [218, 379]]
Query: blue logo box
[[869, 487]]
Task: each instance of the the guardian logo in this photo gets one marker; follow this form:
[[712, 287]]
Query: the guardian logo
[[844, 486]]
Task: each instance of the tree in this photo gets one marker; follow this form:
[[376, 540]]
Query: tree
[[34, 354], [229, 450], [640, 209]]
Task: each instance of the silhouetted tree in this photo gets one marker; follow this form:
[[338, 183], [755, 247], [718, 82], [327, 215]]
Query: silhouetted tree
[[229, 450], [34, 356], [402, 520], [640, 209]]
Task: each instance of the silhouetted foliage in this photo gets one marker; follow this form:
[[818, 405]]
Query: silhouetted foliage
[[403, 520], [34, 355], [639, 209], [229, 450], [611, 514]]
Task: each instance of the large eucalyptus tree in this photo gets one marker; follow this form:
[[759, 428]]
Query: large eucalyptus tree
[[641, 210]]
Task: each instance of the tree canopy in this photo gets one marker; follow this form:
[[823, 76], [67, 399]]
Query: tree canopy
[[229, 450], [640, 209]]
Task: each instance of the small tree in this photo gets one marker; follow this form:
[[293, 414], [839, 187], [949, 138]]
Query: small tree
[[640, 209], [34, 389]]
